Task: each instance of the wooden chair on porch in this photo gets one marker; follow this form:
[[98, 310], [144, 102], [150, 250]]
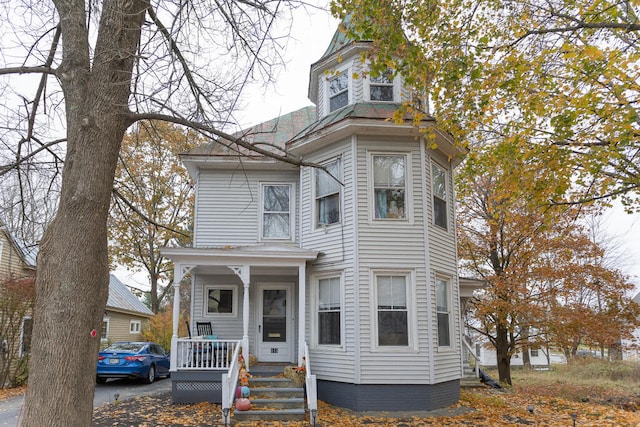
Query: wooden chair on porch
[[204, 328]]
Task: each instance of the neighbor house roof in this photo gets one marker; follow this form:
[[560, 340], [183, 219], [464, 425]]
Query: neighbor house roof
[[122, 299], [28, 255]]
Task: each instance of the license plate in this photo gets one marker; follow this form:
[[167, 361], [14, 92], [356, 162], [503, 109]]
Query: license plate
[[114, 361]]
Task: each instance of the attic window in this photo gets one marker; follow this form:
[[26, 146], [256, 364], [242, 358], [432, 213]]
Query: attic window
[[338, 92], [381, 87]]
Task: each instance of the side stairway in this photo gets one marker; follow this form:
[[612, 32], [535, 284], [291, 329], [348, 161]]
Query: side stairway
[[273, 397]]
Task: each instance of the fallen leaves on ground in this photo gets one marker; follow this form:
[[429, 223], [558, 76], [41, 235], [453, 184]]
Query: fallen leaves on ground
[[478, 407], [7, 393]]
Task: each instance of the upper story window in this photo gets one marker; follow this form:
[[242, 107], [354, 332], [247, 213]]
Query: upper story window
[[439, 184], [389, 186], [328, 194], [25, 335], [381, 87], [277, 211], [338, 91]]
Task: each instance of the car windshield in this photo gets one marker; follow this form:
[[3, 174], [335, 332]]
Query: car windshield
[[133, 347]]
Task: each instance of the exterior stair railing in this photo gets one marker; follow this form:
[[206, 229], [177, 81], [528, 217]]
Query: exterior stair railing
[[229, 384], [469, 352], [312, 388]]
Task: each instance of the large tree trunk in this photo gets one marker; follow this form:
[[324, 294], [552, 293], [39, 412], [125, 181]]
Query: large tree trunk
[[503, 356], [72, 281]]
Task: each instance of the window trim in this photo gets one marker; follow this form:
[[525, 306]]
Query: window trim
[[410, 283], [292, 211], [448, 283], [408, 187], [316, 310], [395, 84], [106, 320], [315, 212], [234, 301], [135, 326], [433, 195], [21, 351]]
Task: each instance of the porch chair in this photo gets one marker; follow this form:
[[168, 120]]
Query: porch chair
[[204, 328]]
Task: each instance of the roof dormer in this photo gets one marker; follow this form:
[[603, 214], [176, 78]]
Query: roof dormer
[[341, 77]]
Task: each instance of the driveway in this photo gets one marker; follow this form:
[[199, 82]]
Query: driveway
[[11, 409]]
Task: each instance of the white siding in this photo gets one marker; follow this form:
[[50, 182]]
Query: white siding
[[227, 210]]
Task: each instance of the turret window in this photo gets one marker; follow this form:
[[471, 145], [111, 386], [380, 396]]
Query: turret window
[[381, 87], [338, 92]]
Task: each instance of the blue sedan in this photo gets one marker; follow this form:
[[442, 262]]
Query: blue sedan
[[145, 360]]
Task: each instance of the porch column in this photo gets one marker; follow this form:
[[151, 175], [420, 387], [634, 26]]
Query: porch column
[[302, 310], [244, 273], [179, 271]]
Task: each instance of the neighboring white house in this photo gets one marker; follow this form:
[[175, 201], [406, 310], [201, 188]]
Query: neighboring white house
[[538, 357], [356, 262]]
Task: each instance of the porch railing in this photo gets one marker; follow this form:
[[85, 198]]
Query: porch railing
[[312, 388], [205, 354], [229, 384], [468, 352]]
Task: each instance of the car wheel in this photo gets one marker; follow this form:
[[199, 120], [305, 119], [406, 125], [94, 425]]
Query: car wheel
[[151, 375], [101, 380]]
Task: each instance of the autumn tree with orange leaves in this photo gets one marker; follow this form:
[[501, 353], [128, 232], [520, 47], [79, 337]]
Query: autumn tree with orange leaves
[[536, 258], [153, 203]]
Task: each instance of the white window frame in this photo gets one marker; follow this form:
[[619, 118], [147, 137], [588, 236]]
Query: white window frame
[[316, 198], [234, 301], [447, 282], [135, 326], [21, 351], [395, 84], [105, 319], [316, 310], [407, 186], [410, 284], [345, 70], [292, 210], [436, 166]]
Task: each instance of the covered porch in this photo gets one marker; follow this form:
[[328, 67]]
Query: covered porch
[[253, 297]]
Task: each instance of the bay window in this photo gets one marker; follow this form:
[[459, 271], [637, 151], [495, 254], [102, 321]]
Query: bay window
[[328, 194], [389, 186], [392, 307], [329, 311]]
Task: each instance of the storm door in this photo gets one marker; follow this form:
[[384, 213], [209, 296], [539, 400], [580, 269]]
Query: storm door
[[275, 326]]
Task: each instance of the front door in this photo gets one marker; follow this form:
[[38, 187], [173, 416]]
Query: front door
[[275, 334]]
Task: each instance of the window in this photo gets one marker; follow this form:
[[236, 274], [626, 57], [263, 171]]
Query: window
[[389, 186], [534, 352], [392, 310], [105, 329], [276, 211], [219, 300], [328, 194], [442, 310], [338, 91], [329, 311], [439, 196], [25, 336], [134, 327], [381, 87]]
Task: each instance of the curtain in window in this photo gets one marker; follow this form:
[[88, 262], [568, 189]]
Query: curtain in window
[[392, 311], [389, 186]]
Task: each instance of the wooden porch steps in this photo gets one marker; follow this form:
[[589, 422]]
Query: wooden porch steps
[[272, 399]]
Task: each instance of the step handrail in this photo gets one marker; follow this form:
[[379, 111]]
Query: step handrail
[[229, 384], [465, 340], [312, 388]]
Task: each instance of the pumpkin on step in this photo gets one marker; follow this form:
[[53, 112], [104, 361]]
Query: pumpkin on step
[[243, 404]]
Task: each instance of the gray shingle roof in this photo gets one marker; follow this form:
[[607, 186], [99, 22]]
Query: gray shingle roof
[[121, 298]]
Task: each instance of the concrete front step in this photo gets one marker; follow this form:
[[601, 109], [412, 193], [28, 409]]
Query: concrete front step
[[270, 415], [470, 382], [273, 399]]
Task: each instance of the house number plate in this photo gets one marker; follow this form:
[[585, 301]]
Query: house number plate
[[274, 350]]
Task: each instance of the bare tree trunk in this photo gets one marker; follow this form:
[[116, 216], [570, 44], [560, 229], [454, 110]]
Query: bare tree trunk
[[72, 281], [502, 355]]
